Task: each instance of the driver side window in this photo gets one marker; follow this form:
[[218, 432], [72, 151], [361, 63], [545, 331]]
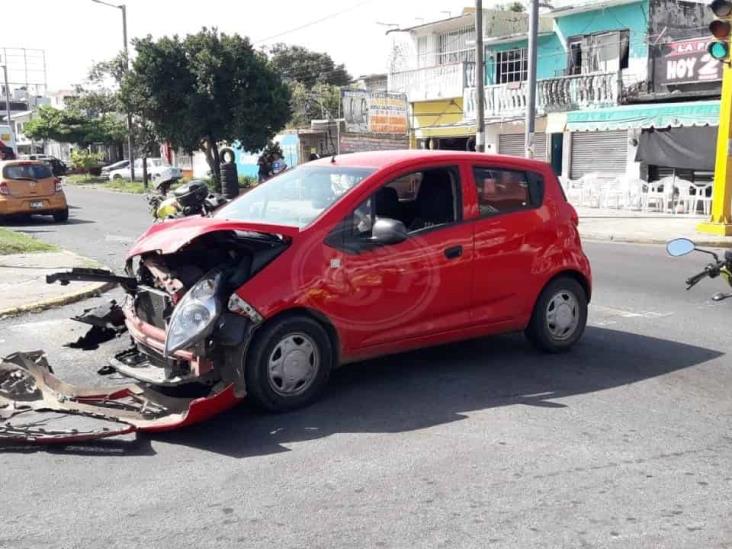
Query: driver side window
[[421, 200]]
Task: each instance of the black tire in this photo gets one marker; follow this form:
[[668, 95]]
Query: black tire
[[61, 216], [260, 385], [227, 151], [547, 336]]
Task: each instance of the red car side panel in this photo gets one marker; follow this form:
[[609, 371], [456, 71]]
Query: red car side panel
[[383, 302]]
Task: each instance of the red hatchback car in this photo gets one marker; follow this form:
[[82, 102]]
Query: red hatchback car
[[352, 257]]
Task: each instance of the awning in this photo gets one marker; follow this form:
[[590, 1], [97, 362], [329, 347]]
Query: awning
[[661, 115], [681, 148]]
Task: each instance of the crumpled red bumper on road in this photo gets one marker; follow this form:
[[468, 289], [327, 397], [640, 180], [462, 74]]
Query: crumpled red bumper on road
[[37, 407]]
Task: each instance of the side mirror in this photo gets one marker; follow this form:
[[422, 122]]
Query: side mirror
[[388, 231], [680, 246]]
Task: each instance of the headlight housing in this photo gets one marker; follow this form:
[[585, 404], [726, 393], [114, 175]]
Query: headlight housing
[[194, 317]]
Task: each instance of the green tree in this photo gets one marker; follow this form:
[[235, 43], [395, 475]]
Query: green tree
[[205, 89], [298, 64], [322, 101], [73, 126], [517, 7], [85, 160]]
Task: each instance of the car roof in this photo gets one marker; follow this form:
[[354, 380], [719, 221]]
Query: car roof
[[4, 163], [384, 159]]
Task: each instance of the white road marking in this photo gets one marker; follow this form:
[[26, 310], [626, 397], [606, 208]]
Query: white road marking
[[609, 316], [119, 238]]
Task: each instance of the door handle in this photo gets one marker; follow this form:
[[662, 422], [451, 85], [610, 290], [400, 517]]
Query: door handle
[[454, 252]]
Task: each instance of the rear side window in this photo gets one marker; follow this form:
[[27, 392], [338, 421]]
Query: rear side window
[[27, 171], [502, 190]]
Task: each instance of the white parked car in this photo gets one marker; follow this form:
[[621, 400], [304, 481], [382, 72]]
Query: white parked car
[[116, 166], [154, 167]]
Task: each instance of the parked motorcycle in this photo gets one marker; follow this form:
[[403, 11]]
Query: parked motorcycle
[[193, 198], [720, 267]]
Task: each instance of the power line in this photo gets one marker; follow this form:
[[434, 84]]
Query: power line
[[314, 22]]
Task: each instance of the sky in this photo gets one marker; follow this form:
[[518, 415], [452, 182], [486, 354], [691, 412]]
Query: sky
[[77, 33]]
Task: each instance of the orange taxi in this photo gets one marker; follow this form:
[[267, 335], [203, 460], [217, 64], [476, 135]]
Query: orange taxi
[[29, 187]]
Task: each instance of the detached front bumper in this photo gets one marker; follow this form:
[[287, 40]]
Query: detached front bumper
[[37, 407]]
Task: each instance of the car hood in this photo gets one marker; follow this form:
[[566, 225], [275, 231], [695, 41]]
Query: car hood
[[170, 236]]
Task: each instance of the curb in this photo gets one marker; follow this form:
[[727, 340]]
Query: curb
[[88, 290], [65, 299], [629, 240]]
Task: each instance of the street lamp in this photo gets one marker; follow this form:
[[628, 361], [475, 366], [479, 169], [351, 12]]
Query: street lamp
[[127, 62]]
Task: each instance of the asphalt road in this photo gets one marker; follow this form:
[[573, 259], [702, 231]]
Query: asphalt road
[[623, 442]]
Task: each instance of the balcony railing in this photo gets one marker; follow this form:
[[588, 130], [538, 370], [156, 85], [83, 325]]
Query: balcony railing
[[566, 93], [437, 82]]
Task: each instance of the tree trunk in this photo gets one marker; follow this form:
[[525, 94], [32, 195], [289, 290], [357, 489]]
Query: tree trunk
[[212, 159], [144, 172], [217, 166]]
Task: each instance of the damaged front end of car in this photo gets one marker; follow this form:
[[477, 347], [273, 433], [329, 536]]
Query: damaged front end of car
[[189, 333], [185, 319]]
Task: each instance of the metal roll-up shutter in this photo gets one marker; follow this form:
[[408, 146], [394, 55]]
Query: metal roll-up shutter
[[598, 152], [513, 144]]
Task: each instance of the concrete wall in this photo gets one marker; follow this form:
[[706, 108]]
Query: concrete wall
[[359, 142]]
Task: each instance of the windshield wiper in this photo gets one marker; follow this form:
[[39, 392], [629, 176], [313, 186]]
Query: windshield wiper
[[25, 179]]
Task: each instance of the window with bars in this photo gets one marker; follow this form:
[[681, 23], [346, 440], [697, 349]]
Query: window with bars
[[456, 46], [511, 65], [599, 52]]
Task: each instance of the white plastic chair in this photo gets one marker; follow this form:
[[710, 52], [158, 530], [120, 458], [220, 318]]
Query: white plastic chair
[[615, 193], [572, 189], [661, 194], [700, 197]]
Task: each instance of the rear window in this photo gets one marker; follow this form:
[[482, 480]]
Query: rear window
[[27, 171], [503, 190]]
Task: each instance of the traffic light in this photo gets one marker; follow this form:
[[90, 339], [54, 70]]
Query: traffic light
[[721, 29]]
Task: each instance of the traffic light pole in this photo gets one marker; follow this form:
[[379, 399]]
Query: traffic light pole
[[720, 223]]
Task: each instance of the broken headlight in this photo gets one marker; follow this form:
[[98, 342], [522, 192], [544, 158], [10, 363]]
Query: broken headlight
[[194, 317]]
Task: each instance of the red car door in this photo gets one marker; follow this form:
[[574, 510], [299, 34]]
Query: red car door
[[415, 288], [513, 227]]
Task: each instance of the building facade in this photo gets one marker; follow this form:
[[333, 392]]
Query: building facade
[[614, 77]]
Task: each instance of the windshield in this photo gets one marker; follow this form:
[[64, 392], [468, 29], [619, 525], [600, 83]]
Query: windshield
[[296, 197], [27, 171]]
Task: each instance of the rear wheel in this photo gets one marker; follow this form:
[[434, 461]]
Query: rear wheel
[[61, 216], [559, 317], [116, 177], [288, 364]]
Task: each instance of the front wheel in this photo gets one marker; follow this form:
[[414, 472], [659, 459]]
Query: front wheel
[[560, 316], [288, 364]]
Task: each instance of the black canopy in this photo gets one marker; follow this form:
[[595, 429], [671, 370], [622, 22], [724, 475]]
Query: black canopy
[[691, 148]]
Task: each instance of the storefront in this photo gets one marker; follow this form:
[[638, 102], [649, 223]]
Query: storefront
[[641, 140]]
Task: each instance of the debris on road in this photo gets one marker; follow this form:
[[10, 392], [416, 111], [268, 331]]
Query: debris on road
[[36, 406], [107, 322]]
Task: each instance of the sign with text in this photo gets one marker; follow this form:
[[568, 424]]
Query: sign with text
[[374, 111], [687, 62]]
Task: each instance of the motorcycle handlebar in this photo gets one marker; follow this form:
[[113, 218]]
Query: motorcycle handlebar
[[712, 271]]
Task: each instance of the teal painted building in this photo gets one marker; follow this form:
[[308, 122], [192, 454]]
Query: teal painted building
[[593, 59]]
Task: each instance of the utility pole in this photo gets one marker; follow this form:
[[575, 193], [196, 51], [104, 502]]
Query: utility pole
[[531, 91], [479, 79], [7, 103], [131, 153]]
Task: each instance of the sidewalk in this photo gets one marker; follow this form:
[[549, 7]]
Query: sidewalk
[[644, 228], [23, 285]]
